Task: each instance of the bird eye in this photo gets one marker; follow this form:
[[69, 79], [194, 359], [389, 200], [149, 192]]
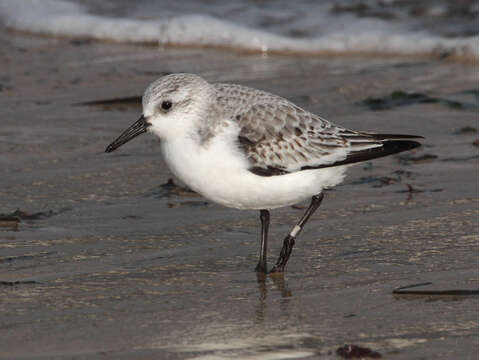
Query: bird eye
[[166, 105]]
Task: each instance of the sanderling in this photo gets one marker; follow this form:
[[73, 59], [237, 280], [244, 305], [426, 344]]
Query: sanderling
[[249, 149]]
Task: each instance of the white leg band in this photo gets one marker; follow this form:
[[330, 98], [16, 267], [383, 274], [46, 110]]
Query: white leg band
[[295, 231]]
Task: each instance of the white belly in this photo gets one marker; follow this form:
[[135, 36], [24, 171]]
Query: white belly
[[220, 173]]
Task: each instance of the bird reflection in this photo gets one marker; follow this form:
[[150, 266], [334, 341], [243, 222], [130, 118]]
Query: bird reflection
[[278, 283]]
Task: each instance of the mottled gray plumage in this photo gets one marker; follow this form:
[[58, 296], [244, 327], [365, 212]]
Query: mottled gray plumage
[[279, 137]]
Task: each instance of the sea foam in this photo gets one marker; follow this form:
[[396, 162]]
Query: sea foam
[[61, 18]]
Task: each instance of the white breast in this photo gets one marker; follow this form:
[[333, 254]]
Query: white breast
[[219, 171]]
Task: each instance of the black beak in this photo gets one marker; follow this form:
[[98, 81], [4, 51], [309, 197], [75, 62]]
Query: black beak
[[139, 127]]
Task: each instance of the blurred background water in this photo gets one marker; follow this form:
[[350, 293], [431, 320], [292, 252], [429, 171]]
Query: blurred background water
[[339, 26]]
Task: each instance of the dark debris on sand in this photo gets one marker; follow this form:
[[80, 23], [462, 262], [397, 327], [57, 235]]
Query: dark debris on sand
[[357, 352], [466, 130], [380, 181], [17, 282], [406, 159], [402, 98], [170, 188], [10, 220], [116, 104]]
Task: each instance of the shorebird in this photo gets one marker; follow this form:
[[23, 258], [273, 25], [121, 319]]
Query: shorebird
[[249, 149]]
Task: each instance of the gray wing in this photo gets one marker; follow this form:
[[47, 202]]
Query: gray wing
[[279, 137]]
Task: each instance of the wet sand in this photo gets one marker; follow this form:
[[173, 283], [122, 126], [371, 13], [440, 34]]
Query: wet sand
[[104, 262]]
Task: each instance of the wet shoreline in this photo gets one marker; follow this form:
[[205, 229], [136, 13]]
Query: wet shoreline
[[123, 268]]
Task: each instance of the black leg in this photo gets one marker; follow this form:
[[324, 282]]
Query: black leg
[[264, 216], [288, 242]]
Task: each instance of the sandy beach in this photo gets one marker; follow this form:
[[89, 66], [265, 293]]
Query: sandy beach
[[100, 259]]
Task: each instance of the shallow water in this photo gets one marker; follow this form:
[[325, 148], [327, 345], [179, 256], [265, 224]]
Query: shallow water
[[123, 268]]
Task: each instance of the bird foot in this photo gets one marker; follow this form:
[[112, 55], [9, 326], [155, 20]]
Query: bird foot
[[261, 268], [277, 269]]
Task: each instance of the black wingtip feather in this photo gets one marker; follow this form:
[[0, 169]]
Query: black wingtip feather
[[394, 136], [395, 146], [389, 147]]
